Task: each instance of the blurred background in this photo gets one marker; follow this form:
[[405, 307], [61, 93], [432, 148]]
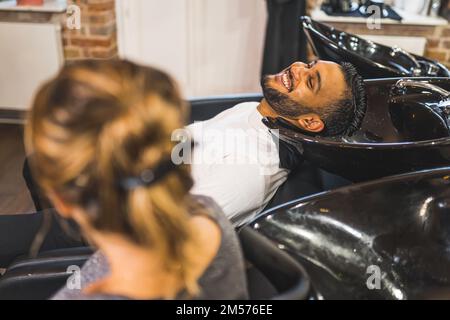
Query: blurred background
[[212, 47]]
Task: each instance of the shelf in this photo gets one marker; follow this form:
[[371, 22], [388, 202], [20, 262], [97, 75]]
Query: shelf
[[408, 19]]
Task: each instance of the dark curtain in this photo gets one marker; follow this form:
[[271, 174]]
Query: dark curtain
[[285, 40]]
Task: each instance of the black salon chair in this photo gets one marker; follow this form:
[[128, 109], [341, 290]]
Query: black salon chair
[[208, 107], [271, 273], [39, 278]]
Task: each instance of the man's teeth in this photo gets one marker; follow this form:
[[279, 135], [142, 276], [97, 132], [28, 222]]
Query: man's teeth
[[286, 80]]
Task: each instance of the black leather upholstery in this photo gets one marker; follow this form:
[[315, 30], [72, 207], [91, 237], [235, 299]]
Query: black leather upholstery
[[43, 258], [282, 272], [39, 285], [39, 278], [207, 108]]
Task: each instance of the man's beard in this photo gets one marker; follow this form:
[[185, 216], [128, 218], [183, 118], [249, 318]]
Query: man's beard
[[282, 103]]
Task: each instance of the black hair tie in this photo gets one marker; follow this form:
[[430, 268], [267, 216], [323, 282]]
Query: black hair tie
[[148, 176]]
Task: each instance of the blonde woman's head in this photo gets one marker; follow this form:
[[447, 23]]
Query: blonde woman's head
[[99, 135]]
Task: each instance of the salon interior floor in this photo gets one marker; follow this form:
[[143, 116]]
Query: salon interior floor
[[14, 196]]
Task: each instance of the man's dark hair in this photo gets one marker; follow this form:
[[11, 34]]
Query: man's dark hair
[[343, 117], [337, 118]]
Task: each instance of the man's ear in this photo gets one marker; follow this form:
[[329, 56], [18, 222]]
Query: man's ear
[[311, 122]]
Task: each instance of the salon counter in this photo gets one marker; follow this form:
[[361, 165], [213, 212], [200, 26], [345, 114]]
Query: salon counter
[[408, 19], [421, 35]]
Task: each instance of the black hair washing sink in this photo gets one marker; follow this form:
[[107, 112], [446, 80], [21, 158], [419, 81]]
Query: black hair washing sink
[[406, 128], [371, 59], [397, 225]]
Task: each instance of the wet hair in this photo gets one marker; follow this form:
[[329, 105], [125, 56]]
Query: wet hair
[[343, 117]]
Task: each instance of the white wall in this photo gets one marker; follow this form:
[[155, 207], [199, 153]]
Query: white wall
[[210, 46], [30, 53]]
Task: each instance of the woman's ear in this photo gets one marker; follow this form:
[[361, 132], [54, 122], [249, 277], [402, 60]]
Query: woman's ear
[[311, 122]]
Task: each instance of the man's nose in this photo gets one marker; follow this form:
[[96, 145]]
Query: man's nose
[[299, 70]]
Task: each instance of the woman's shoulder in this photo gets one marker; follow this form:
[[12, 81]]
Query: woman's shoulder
[[95, 268], [207, 203], [225, 276]]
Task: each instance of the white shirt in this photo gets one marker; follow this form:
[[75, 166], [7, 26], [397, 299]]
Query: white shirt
[[236, 162]]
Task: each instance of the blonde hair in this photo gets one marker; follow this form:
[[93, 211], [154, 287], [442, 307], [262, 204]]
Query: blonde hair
[[99, 122]]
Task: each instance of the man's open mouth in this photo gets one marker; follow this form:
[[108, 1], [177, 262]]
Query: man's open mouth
[[286, 79]]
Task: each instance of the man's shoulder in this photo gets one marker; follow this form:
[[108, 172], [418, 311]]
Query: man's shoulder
[[247, 104], [243, 107], [237, 115], [239, 110]]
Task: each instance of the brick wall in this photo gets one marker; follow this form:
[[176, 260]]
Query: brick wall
[[438, 46], [438, 38], [98, 35]]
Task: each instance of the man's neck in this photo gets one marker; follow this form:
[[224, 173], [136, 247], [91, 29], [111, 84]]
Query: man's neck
[[266, 110]]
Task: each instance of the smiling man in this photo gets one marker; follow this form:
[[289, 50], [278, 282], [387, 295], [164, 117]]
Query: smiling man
[[320, 98]]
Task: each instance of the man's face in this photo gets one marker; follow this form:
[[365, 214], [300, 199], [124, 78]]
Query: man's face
[[304, 88]]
